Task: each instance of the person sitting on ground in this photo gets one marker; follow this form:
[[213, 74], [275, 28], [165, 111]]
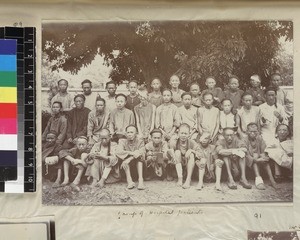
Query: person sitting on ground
[[74, 162], [102, 161], [77, 122], [256, 158], [57, 123], [120, 118], [183, 153], [98, 119], [131, 152], [156, 155], [233, 151], [52, 167], [210, 162]]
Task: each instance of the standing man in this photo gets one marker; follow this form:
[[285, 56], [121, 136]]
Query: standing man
[[63, 96], [110, 100], [90, 97]]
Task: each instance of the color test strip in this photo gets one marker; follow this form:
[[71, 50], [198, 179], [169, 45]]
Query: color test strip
[[8, 103]]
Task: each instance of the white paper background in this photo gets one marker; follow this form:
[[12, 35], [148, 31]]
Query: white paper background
[[109, 222]]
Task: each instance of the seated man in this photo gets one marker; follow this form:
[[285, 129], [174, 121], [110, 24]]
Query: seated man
[[77, 157], [131, 152], [208, 162], [50, 152], [233, 152], [183, 152], [102, 160], [256, 158], [156, 153]]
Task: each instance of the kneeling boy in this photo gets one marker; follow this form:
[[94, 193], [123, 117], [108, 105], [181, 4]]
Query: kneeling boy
[[131, 152]]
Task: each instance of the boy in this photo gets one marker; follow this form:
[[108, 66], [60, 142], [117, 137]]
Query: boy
[[120, 118], [234, 93], [133, 98], [110, 99], [256, 91], [97, 120], [57, 123], [176, 92], [50, 158], [155, 97], [248, 113], [188, 114], [102, 160], [232, 151], [217, 92], [276, 83], [77, 122], [131, 152], [271, 115], [90, 97], [63, 96], [208, 117], [256, 158], [145, 117], [183, 152], [156, 154], [208, 161], [77, 157], [167, 118], [196, 95], [227, 119]]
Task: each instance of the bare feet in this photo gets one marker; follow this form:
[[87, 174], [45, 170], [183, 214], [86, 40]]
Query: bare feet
[[94, 183], [186, 185], [199, 186], [56, 185], [131, 185], [261, 186], [245, 184], [274, 184], [232, 185], [75, 187], [65, 183], [100, 184], [179, 182], [141, 186], [218, 187]]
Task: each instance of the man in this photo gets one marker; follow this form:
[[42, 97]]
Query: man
[[90, 97], [110, 98], [63, 96], [276, 83]]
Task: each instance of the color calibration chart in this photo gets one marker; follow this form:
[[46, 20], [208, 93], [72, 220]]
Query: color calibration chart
[[17, 113]]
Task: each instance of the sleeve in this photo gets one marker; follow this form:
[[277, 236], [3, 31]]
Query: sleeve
[[94, 148], [132, 118], [111, 124], [69, 127], [263, 145], [283, 114], [46, 131], [83, 132], [199, 119], [214, 153], [141, 149], [157, 117], [63, 130], [90, 125], [242, 143], [106, 121], [220, 94], [219, 146], [176, 119], [165, 149], [153, 117]]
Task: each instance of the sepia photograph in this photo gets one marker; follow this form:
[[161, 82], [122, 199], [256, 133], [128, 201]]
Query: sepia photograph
[[274, 235], [164, 112]]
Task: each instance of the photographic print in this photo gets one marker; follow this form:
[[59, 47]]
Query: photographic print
[[157, 112], [274, 235]]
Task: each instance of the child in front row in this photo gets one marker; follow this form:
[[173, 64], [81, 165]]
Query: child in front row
[[234, 93], [74, 161], [155, 97], [131, 152], [167, 118], [183, 153]]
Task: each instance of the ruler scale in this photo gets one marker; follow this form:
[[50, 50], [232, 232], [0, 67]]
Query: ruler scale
[[26, 78]]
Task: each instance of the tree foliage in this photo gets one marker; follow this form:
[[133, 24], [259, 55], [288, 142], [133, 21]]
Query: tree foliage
[[191, 49]]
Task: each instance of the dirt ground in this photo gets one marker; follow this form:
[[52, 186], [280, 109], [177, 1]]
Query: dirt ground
[[163, 192]]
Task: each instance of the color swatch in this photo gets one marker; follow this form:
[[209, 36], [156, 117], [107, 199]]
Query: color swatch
[[8, 103]]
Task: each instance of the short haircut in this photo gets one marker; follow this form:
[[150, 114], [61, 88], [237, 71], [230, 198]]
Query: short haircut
[[255, 76], [167, 89], [210, 77], [105, 130], [100, 99], [62, 80], [275, 74], [79, 95], [186, 94], [226, 99], [110, 82], [131, 125], [184, 125], [195, 84], [207, 93], [175, 75], [233, 77], [82, 137], [86, 81], [246, 94], [156, 78], [271, 88], [229, 128], [155, 130], [252, 124], [53, 133], [57, 102], [121, 95], [133, 81]]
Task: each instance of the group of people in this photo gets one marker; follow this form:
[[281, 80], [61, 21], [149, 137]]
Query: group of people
[[169, 133]]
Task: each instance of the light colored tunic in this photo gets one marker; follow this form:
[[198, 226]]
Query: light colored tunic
[[167, 117], [227, 120], [120, 119], [188, 116], [176, 97], [155, 99], [90, 100], [96, 122], [66, 100], [248, 116], [145, 116], [209, 120]]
